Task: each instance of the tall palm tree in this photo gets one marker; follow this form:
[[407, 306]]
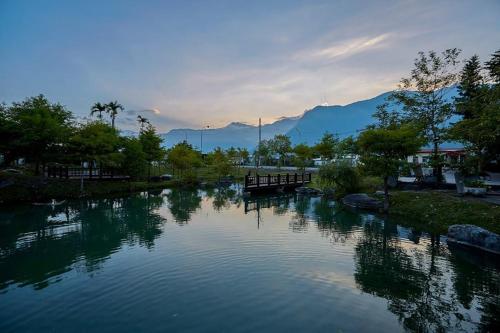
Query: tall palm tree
[[113, 108], [98, 108], [142, 121]]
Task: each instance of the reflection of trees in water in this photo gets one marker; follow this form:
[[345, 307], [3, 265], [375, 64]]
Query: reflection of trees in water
[[182, 203], [34, 249], [224, 197], [484, 283], [299, 222], [413, 281], [333, 221]]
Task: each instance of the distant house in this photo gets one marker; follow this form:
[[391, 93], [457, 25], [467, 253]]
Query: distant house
[[451, 156], [353, 159], [319, 161]]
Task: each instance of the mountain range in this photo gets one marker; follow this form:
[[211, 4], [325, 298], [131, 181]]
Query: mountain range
[[307, 128]]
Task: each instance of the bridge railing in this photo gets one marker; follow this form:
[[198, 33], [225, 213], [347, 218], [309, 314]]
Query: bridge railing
[[276, 180], [68, 172]]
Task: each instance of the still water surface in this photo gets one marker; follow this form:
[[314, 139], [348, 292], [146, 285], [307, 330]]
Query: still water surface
[[198, 261]]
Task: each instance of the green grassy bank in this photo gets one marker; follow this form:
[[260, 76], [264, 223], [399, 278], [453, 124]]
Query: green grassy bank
[[22, 188], [435, 211]]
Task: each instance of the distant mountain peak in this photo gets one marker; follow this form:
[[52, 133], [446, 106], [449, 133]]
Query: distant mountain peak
[[236, 124], [309, 127]]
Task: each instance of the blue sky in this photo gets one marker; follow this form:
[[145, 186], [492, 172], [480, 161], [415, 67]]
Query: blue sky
[[198, 63]]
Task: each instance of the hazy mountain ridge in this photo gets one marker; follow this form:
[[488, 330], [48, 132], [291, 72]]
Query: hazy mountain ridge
[[342, 120]]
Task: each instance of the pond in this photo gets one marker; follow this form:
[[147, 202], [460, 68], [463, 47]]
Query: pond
[[204, 261]]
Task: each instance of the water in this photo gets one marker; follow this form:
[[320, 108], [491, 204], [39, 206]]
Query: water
[[199, 261]]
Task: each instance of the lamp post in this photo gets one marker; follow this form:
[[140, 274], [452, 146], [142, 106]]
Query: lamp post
[[201, 138]]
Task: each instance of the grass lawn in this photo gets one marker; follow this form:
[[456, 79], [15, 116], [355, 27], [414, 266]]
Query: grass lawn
[[435, 211]]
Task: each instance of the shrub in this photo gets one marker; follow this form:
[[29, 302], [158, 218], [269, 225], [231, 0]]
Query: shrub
[[341, 176]]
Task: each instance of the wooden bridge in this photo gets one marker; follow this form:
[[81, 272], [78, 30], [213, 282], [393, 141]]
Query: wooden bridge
[[90, 173], [275, 182]]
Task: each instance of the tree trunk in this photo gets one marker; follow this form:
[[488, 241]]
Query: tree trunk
[[386, 195], [438, 168]]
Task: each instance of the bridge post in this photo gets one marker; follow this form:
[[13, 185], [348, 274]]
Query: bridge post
[[279, 178], [258, 180], [246, 184], [67, 172], [295, 178], [268, 179], [288, 178]]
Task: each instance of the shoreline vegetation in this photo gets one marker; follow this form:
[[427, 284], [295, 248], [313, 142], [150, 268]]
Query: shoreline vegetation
[[37, 134], [427, 210]]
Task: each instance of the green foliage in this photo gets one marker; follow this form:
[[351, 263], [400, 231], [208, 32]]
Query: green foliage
[[151, 144], [280, 145], [134, 158], [263, 153], [113, 108], [426, 105], [436, 211], [383, 151], [326, 146], [221, 162], [470, 89], [185, 159], [98, 108], [341, 176], [493, 66], [347, 146], [36, 129], [303, 153], [479, 130], [96, 141]]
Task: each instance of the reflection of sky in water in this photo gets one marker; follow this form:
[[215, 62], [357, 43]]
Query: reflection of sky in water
[[206, 258]]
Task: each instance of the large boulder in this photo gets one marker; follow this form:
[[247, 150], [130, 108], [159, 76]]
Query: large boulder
[[471, 235], [307, 191], [362, 201]]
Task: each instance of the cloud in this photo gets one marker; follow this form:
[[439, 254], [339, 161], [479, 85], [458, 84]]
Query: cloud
[[345, 48]]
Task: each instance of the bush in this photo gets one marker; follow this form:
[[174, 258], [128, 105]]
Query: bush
[[341, 176]]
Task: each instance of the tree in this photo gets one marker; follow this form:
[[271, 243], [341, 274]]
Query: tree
[[470, 89], [96, 141], [340, 176], [493, 66], [426, 105], [384, 149], [347, 146], [479, 130], [220, 162], [41, 129], [280, 145], [113, 108], [9, 133], [244, 154], [263, 152], [134, 158], [143, 121], [98, 108], [302, 154], [184, 158], [151, 145], [326, 146]]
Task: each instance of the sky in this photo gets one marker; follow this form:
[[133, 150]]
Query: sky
[[208, 63]]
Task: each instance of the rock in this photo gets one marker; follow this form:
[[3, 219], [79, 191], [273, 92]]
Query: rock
[[362, 201], [474, 236], [307, 191]]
